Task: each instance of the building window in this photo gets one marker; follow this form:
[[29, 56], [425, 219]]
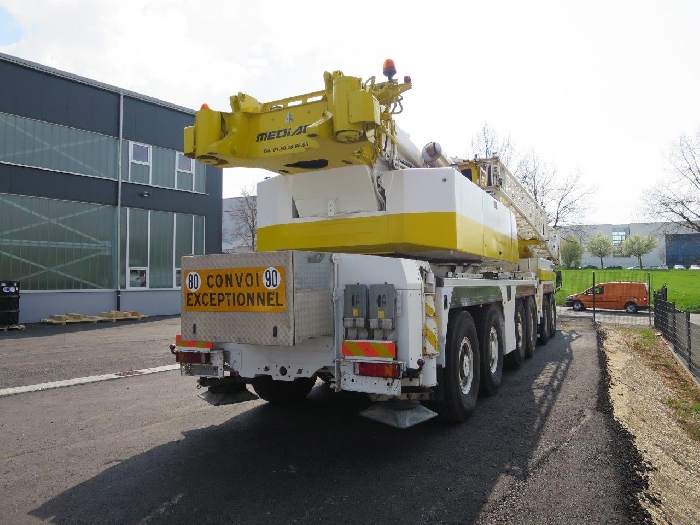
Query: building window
[[138, 233], [50, 244], [139, 163], [619, 236], [185, 173], [183, 243], [155, 242], [161, 167], [199, 177], [161, 249], [42, 145], [138, 277]]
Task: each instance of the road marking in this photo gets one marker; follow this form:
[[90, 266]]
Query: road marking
[[84, 380]]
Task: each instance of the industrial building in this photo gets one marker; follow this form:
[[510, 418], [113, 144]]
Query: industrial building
[[97, 202], [676, 243]]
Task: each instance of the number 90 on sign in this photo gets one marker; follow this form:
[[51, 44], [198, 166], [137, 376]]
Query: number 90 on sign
[[271, 278]]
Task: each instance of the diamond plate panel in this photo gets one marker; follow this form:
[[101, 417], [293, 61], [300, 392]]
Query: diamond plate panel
[[313, 271], [308, 296], [263, 328], [313, 314]]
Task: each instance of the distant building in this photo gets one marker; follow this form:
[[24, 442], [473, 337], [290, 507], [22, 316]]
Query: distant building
[[97, 202], [677, 244]]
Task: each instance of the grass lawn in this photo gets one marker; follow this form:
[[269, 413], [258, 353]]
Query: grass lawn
[[683, 285]]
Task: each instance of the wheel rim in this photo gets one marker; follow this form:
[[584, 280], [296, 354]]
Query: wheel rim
[[519, 330], [466, 366], [493, 349]]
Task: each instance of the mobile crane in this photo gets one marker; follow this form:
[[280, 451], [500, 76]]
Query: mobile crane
[[381, 268]]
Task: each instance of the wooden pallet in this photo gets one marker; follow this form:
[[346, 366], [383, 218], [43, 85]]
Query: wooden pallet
[[113, 316], [12, 327], [71, 318]]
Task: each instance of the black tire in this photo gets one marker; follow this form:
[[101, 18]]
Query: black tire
[[578, 306], [515, 359], [543, 328], [631, 308], [492, 344], [462, 369], [283, 392], [553, 317], [531, 316]]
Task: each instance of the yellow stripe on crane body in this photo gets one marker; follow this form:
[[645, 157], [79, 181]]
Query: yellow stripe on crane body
[[446, 235], [369, 349]]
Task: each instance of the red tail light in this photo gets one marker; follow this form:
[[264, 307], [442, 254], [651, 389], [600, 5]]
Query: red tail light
[[192, 357], [392, 370]]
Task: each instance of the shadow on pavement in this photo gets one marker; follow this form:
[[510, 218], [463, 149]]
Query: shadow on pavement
[[49, 330], [319, 462]]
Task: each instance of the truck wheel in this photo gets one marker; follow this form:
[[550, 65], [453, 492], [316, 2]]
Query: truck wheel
[[531, 317], [578, 306], [492, 343], [283, 392], [553, 317], [631, 308], [462, 369], [543, 328], [515, 358]]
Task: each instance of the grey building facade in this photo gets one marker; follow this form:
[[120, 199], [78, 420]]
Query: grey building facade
[[97, 202], [677, 244]]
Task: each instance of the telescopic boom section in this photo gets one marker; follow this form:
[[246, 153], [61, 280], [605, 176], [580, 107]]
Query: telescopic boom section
[[349, 123], [536, 238]]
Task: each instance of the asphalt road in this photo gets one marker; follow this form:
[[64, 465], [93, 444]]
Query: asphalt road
[[147, 450]]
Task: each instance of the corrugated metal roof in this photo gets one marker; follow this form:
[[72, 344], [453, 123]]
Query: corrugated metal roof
[[83, 80]]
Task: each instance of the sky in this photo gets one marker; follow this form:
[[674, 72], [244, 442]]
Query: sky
[[602, 87]]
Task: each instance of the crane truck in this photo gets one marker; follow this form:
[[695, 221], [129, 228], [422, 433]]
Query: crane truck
[[381, 268]]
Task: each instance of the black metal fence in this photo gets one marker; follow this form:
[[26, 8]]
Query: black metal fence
[[678, 330]]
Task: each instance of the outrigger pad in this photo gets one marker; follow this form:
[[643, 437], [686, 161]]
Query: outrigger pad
[[227, 398], [399, 415]]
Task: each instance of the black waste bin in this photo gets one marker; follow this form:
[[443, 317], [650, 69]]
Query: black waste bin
[[9, 303]]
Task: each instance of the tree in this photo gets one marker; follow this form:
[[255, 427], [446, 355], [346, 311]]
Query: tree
[[245, 218], [571, 252], [600, 245], [566, 200], [676, 198], [487, 143], [637, 245]]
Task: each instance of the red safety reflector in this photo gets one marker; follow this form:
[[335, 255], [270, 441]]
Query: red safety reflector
[[192, 357], [378, 369], [192, 344], [369, 349]]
